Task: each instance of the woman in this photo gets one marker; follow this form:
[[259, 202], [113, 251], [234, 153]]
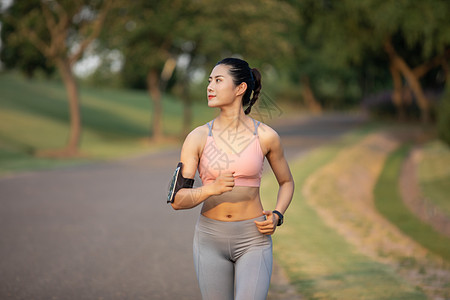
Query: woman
[[232, 243]]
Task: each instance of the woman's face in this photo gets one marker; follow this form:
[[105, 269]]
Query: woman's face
[[221, 89]]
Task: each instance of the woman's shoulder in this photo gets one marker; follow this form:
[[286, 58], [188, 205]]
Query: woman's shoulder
[[197, 136], [268, 138], [266, 132], [199, 132], [193, 147]]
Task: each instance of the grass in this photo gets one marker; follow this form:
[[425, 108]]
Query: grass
[[389, 202], [318, 261], [434, 175], [34, 116]]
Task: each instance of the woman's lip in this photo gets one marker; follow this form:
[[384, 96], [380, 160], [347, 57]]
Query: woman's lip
[[210, 96]]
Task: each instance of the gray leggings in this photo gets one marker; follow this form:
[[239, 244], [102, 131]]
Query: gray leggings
[[233, 260]]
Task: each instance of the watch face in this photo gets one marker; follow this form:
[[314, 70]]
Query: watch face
[[172, 185]]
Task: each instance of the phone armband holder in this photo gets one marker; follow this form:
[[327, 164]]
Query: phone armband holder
[[178, 182]]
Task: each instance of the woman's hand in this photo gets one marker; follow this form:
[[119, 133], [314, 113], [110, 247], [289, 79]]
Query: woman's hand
[[268, 226], [224, 183]]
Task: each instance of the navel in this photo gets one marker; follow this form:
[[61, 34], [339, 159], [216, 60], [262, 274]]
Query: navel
[[229, 216]]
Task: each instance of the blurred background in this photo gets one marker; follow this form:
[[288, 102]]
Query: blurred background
[[90, 81]]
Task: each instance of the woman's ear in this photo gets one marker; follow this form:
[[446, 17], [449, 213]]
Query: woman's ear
[[241, 88]]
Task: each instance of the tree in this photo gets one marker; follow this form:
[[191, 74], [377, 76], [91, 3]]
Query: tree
[[301, 67], [153, 34], [61, 31], [20, 53], [323, 64], [351, 31], [443, 116], [146, 32], [256, 31]]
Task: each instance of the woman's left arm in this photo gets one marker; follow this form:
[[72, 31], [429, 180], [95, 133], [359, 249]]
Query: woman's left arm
[[275, 157]]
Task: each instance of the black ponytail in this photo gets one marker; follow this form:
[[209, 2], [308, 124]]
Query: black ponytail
[[240, 72], [256, 89]]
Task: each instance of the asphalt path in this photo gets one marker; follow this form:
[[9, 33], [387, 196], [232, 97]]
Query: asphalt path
[[104, 230]]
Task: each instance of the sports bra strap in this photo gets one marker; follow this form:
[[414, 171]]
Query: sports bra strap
[[256, 126], [210, 127]]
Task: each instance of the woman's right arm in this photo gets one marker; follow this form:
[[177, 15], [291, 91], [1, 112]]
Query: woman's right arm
[[190, 156]]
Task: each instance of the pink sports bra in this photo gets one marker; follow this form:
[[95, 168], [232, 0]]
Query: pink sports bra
[[247, 164]]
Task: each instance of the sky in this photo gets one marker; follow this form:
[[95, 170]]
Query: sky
[[5, 3]]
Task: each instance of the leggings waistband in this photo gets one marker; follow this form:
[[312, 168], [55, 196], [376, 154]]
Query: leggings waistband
[[225, 228]]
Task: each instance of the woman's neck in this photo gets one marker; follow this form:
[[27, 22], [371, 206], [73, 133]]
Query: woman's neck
[[231, 118]]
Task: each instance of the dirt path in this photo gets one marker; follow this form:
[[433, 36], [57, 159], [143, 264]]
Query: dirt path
[[414, 199], [342, 193]]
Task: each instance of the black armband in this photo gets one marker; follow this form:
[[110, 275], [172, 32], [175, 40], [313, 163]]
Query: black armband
[[178, 182]]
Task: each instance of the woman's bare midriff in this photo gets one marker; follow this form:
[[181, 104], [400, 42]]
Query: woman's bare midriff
[[242, 203]]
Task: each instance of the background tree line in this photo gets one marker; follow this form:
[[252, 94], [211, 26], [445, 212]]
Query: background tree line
[[388, 55]]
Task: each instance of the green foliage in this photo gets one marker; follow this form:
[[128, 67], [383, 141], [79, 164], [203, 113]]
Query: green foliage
[[17, 50], [341, 42], [337, 44], [257, 31], [144, 31], [36, 32]]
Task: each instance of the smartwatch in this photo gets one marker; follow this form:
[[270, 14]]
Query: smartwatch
[[280, 217]]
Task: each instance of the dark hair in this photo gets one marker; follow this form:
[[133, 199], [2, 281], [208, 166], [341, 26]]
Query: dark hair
[[240, 71]]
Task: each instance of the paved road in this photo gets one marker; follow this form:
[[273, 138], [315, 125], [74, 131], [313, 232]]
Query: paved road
[[104, 231]]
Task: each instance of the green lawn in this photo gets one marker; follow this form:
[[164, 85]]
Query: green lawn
[[318, 261], [34, 116], [390, 204]]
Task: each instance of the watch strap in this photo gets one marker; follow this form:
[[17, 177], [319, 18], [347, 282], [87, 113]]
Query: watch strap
[[280, 217]]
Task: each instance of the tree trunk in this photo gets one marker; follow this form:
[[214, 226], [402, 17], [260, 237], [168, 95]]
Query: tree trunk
[[308, 96], [154, 91], [397, 93], [424, 68], [70, 84], [446, 70], [407, 96], [413, 81]]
